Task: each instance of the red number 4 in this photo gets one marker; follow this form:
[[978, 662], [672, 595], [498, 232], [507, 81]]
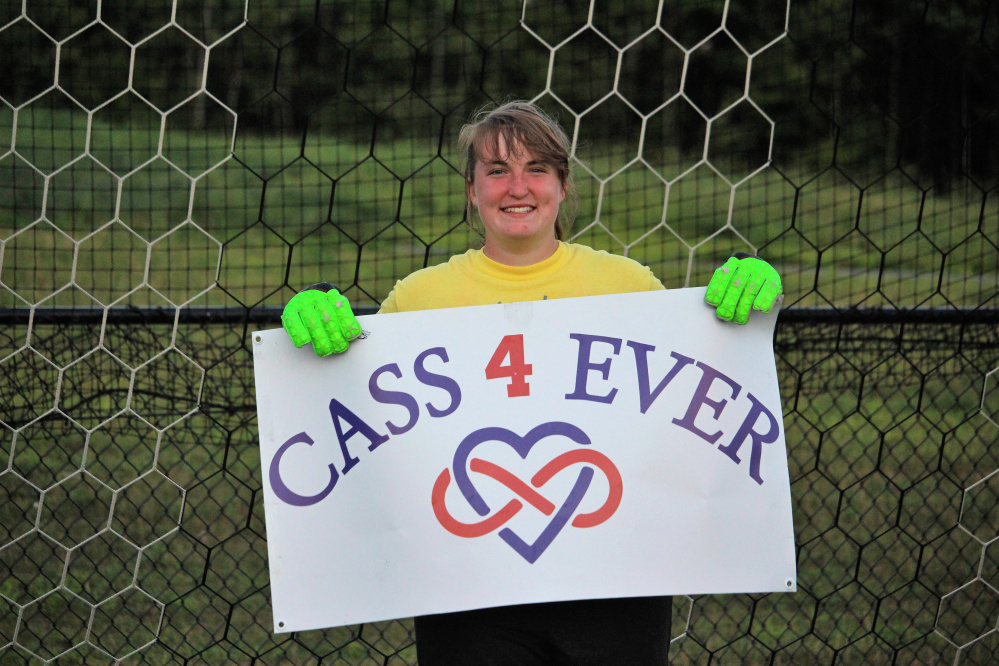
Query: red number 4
[[511, 346]]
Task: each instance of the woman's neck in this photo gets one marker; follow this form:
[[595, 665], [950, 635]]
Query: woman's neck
[[518, 254]]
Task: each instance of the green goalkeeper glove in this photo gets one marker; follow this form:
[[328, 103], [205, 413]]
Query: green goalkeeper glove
[[321, 315], [744, 282]]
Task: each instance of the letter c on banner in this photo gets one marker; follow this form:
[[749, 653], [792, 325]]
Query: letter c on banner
[[286, 494]]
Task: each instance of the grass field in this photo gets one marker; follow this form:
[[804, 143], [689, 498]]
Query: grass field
[[277, 214]]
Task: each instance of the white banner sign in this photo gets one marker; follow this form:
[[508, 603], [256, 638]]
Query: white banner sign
[[608, 446]]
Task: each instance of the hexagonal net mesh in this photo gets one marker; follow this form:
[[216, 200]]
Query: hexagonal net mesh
[[171, 172]]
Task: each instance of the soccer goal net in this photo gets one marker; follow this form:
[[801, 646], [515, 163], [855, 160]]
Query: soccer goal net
[[172, 172]]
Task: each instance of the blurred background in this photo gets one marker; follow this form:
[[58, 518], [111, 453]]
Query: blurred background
[[172, 172]]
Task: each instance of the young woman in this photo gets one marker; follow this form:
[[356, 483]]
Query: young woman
[[519, 186]]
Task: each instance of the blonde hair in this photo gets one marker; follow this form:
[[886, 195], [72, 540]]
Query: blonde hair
[[522, 126]]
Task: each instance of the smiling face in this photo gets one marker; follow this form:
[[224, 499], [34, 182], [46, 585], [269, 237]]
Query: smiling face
[[517, 197]]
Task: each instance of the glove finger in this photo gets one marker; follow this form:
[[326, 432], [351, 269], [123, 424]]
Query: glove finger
[[339, 321], [314, 318], [296, 318], [727, 309], [751, 288], [292, 324], [349, 325], [769, 292], [337, 343], [720, 281]]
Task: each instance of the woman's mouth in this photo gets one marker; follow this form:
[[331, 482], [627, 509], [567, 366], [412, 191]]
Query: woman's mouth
[[518, 209]]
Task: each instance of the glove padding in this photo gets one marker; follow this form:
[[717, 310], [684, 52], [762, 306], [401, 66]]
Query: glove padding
[[322, 318], [741, 284]]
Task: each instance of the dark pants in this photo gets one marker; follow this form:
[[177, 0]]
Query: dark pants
[[598, 632]]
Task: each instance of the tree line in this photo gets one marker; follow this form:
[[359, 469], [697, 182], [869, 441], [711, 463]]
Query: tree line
[[918, 82]]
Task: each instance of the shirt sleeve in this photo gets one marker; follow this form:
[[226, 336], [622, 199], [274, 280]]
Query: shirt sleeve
[[389, 304]]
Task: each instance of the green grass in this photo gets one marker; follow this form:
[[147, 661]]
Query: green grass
[[353, 213]]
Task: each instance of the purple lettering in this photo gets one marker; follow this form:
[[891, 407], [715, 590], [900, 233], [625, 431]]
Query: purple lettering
[[645, 396], [584, 365], [394, 398], [440, 381], [759, 438], [338, 412], [701, 398], [283, 492]]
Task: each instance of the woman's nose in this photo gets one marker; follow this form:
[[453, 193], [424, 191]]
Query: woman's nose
[[518, 185]]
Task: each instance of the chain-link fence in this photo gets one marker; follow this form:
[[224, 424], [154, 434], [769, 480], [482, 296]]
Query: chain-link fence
[[172, 171]]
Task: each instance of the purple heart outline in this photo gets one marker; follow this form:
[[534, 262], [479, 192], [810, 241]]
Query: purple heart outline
[[523, 445]]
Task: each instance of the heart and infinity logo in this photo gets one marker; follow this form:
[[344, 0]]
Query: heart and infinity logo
[[588, 459]]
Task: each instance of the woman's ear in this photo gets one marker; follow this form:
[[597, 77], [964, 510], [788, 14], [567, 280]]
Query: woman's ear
[[470, 192]]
